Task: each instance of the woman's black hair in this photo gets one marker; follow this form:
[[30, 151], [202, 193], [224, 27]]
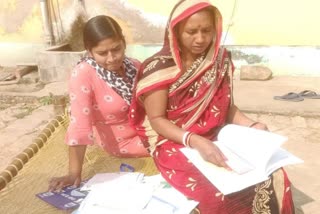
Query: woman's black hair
[[99, 28]]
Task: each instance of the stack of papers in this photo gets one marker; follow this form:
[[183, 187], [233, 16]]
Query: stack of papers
[[132, 193]]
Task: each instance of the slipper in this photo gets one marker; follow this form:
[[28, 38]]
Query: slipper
[[291, 96], [309, 94]]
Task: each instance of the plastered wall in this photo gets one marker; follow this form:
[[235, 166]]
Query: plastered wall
[[248, 22]]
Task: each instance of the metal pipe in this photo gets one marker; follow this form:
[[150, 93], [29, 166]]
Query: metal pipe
[[47, 24]]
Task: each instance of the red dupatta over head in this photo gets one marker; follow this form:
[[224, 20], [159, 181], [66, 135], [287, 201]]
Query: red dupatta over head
[[197, 97]]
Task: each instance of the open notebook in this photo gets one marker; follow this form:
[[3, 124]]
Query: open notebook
[[252, 154]]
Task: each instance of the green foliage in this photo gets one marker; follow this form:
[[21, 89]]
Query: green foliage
[[47, 100]]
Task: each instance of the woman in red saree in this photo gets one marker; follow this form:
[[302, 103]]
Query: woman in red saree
[[183, 98]]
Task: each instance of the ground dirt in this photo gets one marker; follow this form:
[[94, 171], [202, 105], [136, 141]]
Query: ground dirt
[[300, 122], [7, 101]]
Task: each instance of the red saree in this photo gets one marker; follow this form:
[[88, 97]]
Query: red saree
[[199, 100]]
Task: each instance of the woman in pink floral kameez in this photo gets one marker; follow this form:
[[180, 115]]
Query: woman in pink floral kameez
[[100, 89]]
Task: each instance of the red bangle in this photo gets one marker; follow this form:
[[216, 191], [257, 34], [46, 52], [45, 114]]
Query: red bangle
[[188, 140], [184, 138], [253, 124]]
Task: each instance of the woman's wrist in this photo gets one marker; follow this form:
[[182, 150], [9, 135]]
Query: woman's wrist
[[186, 139], [195, 141], [75, 172]]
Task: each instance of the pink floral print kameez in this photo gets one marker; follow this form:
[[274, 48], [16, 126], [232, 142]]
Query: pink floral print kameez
[[100, 115]]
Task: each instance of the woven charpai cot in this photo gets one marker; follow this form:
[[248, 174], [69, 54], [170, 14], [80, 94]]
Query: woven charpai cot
[[47, 157]]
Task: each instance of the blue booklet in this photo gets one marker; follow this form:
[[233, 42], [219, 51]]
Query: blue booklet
[[68, 198]]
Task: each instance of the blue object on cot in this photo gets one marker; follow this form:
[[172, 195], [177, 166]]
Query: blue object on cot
[[126, 168]]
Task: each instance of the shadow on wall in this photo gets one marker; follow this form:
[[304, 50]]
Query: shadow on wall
[[137, 28]]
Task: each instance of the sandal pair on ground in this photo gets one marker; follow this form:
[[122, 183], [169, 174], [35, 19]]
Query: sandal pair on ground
[[297, 97]]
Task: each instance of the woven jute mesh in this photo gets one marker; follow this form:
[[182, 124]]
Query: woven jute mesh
[[47, 157]]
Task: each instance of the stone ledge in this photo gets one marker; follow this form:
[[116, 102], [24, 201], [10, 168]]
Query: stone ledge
[[55, 63]]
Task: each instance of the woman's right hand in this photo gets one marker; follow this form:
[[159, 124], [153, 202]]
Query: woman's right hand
[[209, 151], [76, 155], [57, 183]]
